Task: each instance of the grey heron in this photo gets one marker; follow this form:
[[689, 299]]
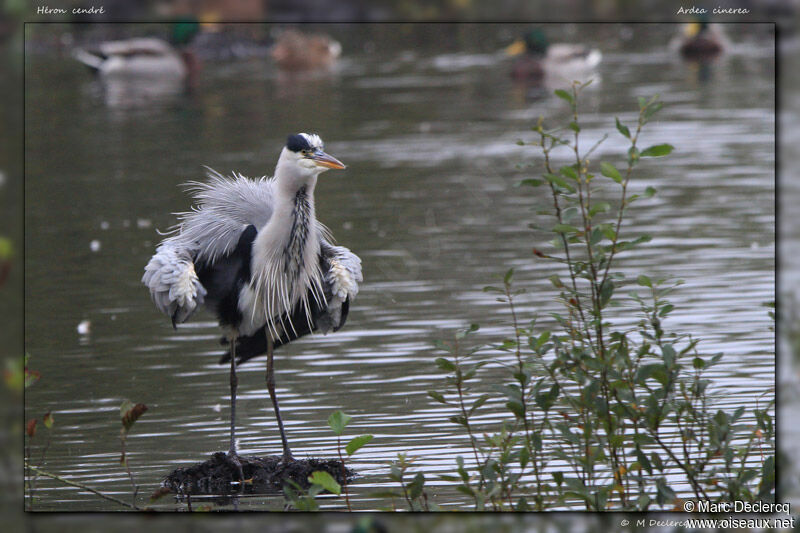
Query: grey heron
[[254, 253]]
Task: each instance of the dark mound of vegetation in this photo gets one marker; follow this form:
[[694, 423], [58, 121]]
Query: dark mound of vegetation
[[219, 475]]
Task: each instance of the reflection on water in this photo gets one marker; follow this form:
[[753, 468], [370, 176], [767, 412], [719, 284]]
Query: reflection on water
[[428, 202]]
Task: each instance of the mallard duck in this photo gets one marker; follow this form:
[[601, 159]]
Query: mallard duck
[[295, 51], [144, 57], [537, 58], [701, 40]]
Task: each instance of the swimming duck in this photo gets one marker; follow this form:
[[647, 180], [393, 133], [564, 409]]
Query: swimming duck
[[296, 51], [537, 59], [144, 58], [701, 40]]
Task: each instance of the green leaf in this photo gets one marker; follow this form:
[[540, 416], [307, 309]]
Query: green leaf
[[646, 371], [569, 172], [564, 228], [564, 95], [458, 419], [516, 408], [356, 443], [559, 181], [480, 401], [666, 309], [337, 422], [644, 461], [595, 237], [599, 207], [606, 290], [543, 338], [657, 150], [652, 109], [532, 182], [415, 486], [48, 420], [445, 364], [610, 171], [6, 248], [574, 127], [524, 457], [326, 481], [438, 396], [508, 277], [608, 231], [668, 353], [644, 281], [766, 489], [664, 494], [623, 129]]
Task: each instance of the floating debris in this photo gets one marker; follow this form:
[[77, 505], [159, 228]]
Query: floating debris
[[143, 223], [85, 327], [95, 245], [104, 225]]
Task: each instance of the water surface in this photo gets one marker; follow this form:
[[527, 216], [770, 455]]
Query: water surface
[[428, 128]]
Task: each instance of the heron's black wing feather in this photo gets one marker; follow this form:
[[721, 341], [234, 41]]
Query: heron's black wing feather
[[256, 344], [224, 278]]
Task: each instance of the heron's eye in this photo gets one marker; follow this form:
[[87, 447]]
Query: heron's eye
[[306, 153]]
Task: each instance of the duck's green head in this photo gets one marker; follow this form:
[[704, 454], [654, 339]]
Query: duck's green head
[[183, 30], [536, 42]]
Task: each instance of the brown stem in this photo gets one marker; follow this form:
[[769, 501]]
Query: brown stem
[[344, 472], [80, 486]]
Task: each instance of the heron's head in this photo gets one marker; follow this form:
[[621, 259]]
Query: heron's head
[[303, 158]]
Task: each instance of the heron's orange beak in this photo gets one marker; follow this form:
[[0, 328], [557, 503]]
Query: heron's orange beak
[[327, 161]]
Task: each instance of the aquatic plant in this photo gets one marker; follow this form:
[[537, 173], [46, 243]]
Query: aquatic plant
[[321, 481], [129, 414], [601, 415]]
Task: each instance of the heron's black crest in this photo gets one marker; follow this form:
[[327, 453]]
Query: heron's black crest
[[297, 143]]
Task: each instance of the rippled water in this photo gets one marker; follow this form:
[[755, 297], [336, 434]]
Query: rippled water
[[428, 128]]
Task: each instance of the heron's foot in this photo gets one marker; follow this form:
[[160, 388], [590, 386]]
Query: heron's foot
[[287, 457], [235, 461]]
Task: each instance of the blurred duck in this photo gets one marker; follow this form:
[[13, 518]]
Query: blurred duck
[[701, 40], [145, 58], [537, 59], [295, 51]]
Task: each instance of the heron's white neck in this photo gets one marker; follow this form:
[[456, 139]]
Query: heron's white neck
[[285, 257]]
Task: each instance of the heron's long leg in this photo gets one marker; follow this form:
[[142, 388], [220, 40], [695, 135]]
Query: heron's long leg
[[234, 384], [287, 453]]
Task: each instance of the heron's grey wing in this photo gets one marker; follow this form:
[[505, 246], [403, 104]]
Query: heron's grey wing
[[173, 283], [342, 276], [224, 209], [344, 273]]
